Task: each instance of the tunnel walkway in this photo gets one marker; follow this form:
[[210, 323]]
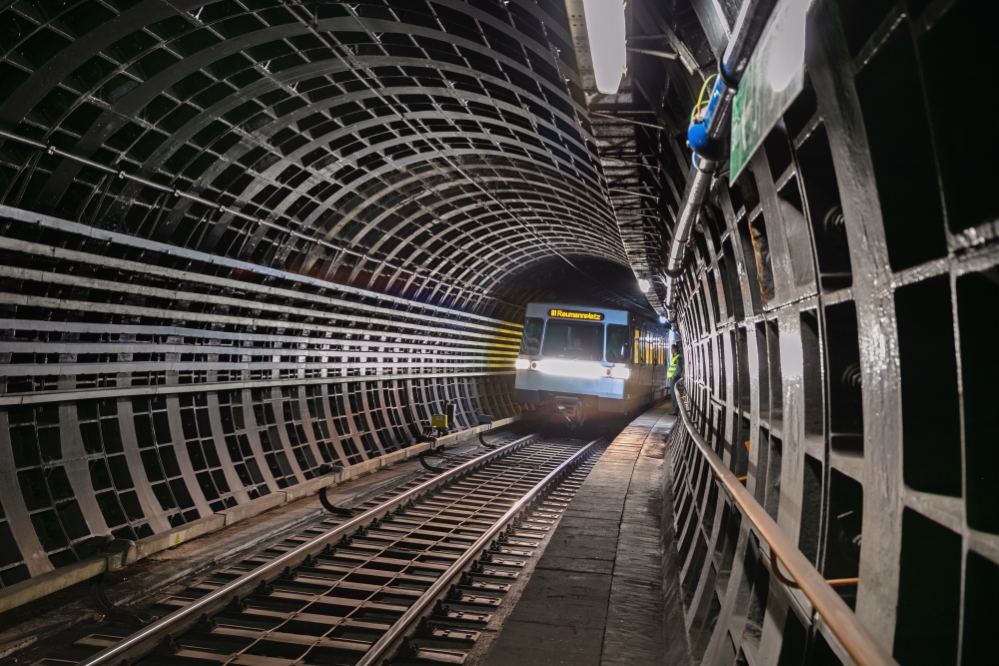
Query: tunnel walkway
[[595, 597]]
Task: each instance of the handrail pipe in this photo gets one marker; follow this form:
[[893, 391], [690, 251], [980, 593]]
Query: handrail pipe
[[855, 639]]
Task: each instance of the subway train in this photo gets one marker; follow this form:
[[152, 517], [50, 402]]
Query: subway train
[[583, 361]]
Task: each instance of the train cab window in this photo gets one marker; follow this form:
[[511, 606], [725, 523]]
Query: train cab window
[[618, 344], [574, 340], [530, 343]]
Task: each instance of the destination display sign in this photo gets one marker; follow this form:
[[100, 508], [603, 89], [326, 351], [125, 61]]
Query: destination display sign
[[571, 314]]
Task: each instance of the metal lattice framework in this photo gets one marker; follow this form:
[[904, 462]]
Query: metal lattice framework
[[247, 241], [837, 310], [444, 137]]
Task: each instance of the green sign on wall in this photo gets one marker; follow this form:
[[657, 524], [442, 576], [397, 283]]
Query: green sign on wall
[[773, 79]]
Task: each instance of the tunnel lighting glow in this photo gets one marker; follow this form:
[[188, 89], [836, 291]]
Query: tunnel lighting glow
[[522, 364], [644, 285], [620, 372], [605, 28], [662, 319], [578, 369]]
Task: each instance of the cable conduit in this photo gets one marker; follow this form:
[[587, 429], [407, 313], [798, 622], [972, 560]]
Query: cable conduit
[[707, 138]]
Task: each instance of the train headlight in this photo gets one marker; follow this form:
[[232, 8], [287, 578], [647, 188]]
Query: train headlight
[[522, 364], [620, 372], [577, 369]]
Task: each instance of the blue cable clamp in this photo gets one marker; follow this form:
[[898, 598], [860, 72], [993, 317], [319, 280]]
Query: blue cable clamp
[[697, 136], [697, 133]]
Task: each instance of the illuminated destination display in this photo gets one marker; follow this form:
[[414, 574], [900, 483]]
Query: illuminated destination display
[[569, 314]]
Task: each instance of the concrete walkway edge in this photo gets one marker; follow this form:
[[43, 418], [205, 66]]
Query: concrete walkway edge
[[595, 596]]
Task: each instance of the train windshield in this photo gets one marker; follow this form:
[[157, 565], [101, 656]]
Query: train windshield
[[530, 343], [573, 340], [618, 344]]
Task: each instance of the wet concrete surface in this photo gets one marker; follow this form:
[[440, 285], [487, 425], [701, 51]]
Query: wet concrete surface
[[595, 597]]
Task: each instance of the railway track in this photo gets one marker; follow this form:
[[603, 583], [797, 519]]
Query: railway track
[[412, 578]]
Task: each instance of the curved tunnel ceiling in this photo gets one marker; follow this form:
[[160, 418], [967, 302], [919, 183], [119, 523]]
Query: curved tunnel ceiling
[[243, 242], [434, 149]]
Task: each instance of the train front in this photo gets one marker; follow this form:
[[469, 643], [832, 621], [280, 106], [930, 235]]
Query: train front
[[576, 360]]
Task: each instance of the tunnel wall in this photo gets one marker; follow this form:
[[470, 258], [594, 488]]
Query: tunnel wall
[[838, 313], [144, 386], [359, 196]]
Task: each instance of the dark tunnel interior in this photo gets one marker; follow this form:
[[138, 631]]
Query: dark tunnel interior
[[247, 242]]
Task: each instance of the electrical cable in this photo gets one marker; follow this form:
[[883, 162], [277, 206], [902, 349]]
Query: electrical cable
[[700, 98]]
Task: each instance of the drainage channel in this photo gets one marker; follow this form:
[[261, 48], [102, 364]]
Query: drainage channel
[[413, 578]]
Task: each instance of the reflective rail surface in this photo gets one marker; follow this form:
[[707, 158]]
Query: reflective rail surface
[[843, 622], [182, 618], [430, 560], [404, 625]]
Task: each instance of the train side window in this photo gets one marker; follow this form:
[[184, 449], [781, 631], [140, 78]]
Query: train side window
[[618, 344], [531, 342]]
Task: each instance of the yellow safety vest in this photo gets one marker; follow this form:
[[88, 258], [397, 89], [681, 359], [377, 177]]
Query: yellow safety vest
[[672, 366]]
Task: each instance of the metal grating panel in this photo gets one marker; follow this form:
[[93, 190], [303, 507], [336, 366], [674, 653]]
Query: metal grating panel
[[834, 330]]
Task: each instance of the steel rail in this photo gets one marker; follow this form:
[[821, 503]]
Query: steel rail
[[405, 623], [843, 622], [190, 613]]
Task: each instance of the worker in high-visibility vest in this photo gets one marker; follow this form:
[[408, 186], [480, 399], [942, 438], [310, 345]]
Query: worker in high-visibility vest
[[675, 373]]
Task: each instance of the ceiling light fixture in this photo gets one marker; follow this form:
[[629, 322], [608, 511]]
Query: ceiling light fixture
[[605, 30]]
